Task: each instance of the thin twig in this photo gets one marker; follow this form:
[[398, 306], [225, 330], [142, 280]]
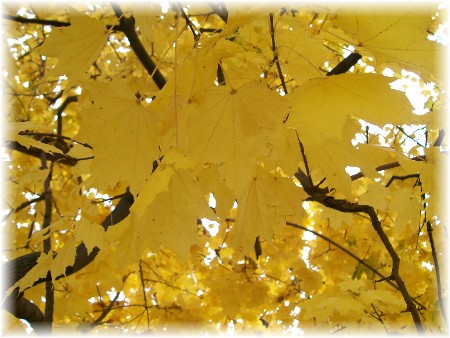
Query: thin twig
[[49, 291], [141, 274], [32, 133], [319, 195], [410, 137], [190, 24], [20, 19], [275, 54], [349, 207], [24, 205]]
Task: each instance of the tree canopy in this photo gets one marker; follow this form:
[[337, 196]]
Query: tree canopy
[[216, 167]]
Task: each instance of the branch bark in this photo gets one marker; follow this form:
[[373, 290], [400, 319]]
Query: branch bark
[[316, 194], [17, 268], [345, 65], [127, 25]]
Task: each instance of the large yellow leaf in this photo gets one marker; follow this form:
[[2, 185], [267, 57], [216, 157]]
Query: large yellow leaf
[[394, 35], [169, 219], [263, 209], [90, 233], [321, 107], [158, 182], [38, 271], [123, 134], [301, 53], [184, 91], [65, 257], [76, 46], [234, 128]]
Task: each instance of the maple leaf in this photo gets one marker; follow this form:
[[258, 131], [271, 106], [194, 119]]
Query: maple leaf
[[76, 47], [167, 215], [235, 127], [123, 134], [263, 209], [91, 234], [321, 107], [377, 31], [65, 257]]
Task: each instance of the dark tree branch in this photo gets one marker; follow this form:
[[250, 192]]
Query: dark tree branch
[[20, 19], [23, 206], [32, 133], [317, 195], [437, 272], [402, 178], [351, 254], [61, 109], [349, 207], [17, 268], [220, 9], [127, 25], [220, 75], [36, 152], [53, 23], [49, 291], [344, 66], [190, 25], [275, 54], [440, 138], [387, 166]]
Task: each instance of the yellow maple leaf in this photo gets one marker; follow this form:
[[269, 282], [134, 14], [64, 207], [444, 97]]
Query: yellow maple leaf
[[38, 271], [378, 30], [76, 46], [123, 134], [64, 258], [90, 233], [321, 107], [263, 209], [169, 218], [235, 127]]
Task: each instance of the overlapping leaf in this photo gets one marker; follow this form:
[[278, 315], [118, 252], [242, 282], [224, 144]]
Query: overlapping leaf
[[233, 128], [396, 36], [76, 46], [123, 134], [263, 209]]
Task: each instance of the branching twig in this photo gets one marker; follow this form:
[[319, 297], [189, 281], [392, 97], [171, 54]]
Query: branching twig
[[351, 254], [319, 195], [387, 166], [402, 178], [127, 25], [36, 152], [190, 24], [349, 207], [275, 54], [32, 133], [141, 274], [409, 136]]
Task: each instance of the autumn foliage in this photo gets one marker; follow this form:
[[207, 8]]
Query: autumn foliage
[[215, 167]]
